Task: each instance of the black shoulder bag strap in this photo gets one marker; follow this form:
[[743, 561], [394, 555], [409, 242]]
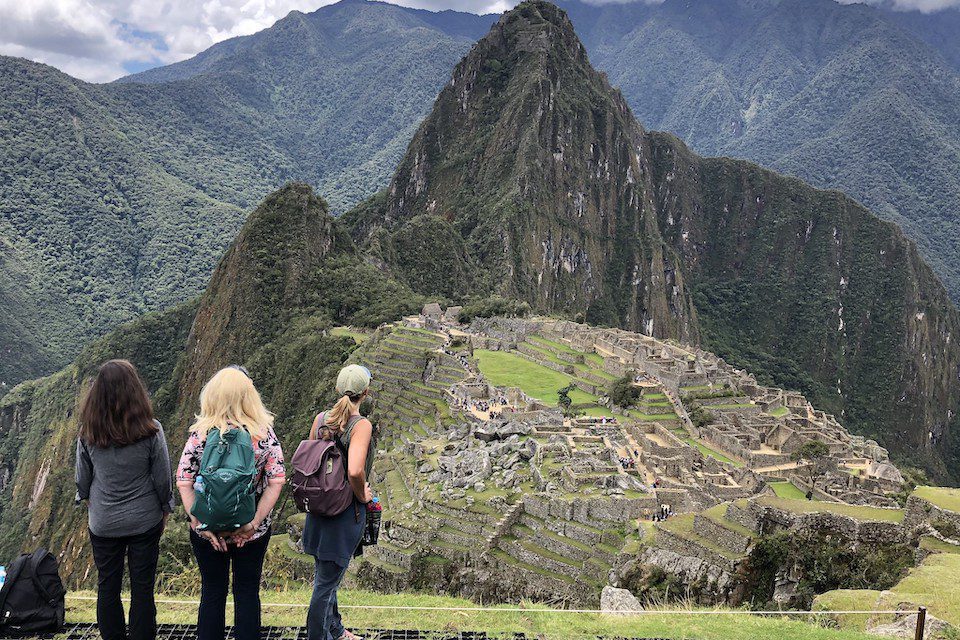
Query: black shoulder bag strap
[[39, 556], [15, 570]]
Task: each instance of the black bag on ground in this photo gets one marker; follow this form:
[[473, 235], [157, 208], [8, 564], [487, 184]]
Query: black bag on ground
[[32, 596]]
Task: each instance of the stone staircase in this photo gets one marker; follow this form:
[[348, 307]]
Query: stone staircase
[[504, 525]]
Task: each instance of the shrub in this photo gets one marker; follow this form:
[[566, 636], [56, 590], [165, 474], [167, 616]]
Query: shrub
[[623, 393], [494, 306]]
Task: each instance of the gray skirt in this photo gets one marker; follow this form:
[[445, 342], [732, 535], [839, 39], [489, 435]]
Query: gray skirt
[[335, 538]]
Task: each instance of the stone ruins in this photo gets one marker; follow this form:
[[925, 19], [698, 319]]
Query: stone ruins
[[484, 475]]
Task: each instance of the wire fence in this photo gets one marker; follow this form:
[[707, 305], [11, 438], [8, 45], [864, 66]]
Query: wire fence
[[430, 622]]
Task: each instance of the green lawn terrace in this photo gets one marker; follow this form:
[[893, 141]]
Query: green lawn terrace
[[358, 335], [931, 584], [721, 537], [935, 511]]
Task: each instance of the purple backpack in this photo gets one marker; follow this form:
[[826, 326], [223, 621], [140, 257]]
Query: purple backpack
[[320, 484]]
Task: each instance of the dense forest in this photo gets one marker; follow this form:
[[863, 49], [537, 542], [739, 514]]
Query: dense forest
[[119, 199]]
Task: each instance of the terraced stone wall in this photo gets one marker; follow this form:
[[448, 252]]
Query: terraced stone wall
[[920, 512], [859, 531]]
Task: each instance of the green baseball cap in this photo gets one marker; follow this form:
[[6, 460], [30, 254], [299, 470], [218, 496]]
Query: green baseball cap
[[353, 380]]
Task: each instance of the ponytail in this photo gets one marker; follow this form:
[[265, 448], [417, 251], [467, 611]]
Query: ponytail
[[336, 419]]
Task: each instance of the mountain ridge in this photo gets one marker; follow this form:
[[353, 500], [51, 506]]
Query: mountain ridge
[[512, 163], [86, 272], [126, 194]]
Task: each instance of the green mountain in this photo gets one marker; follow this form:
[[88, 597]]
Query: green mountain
[[531, 179], [851, 97], [528, 181], [804, 285], [119, 199]]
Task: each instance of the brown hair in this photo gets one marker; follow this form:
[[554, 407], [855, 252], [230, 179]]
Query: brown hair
[[337, 418], [116, 410]]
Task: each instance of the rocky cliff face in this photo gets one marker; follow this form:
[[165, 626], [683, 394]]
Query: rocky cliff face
[[529, 179], [810, 289]]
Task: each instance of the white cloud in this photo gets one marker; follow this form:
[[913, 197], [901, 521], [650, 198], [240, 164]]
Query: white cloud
[[101, 40]]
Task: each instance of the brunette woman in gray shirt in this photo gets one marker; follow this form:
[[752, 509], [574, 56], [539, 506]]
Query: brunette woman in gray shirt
[[123, 472]]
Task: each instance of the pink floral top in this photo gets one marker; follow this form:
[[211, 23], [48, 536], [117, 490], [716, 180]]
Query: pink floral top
[[268, 460]]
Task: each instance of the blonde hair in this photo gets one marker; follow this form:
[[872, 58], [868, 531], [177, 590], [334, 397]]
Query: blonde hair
[[229, 399], [336, 419]]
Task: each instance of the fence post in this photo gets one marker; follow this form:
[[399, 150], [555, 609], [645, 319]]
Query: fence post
[[921, 622]]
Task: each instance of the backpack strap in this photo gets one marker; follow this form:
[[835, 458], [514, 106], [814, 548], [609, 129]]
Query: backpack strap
[[39, 556], [315, 429], [15, 570]]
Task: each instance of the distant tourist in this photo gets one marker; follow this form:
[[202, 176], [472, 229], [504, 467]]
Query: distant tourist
[[231, 412], [333, 540], [123, 472]]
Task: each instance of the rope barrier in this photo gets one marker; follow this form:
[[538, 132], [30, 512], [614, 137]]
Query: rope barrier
[[655, 612]]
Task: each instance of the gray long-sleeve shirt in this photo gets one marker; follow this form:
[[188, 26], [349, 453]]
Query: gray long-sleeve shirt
[[128, 489]]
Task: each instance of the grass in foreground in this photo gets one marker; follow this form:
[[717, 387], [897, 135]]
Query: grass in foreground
[[551, 624], [504, 369]]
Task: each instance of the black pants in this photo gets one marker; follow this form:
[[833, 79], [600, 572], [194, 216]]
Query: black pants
[[215, 569], [141, 552]]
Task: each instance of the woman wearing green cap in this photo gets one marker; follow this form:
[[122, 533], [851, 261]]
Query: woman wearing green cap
[[332, 540]]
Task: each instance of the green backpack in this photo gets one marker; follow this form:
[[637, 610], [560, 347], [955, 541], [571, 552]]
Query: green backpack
[[225, 498]]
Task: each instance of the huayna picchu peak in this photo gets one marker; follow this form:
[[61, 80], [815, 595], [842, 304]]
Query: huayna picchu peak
[[531, 179], [532, 172]]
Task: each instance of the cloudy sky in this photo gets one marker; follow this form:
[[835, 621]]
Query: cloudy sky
[[101, 40]]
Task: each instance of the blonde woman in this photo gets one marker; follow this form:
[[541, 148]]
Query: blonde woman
[[230, 401], [332, 540]]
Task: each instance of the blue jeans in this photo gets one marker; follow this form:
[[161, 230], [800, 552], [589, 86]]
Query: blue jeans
[[323, 617]]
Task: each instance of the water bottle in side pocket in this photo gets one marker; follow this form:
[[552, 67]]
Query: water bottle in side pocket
[[371, 533]]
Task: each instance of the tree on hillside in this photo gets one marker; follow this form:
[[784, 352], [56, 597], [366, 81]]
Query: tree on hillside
[[812, 451], [563, 398], [623, 393], [699, 416]]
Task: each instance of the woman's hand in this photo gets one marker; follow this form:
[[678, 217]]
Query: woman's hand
[[243, 535], [215, 540], [367, 493]]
